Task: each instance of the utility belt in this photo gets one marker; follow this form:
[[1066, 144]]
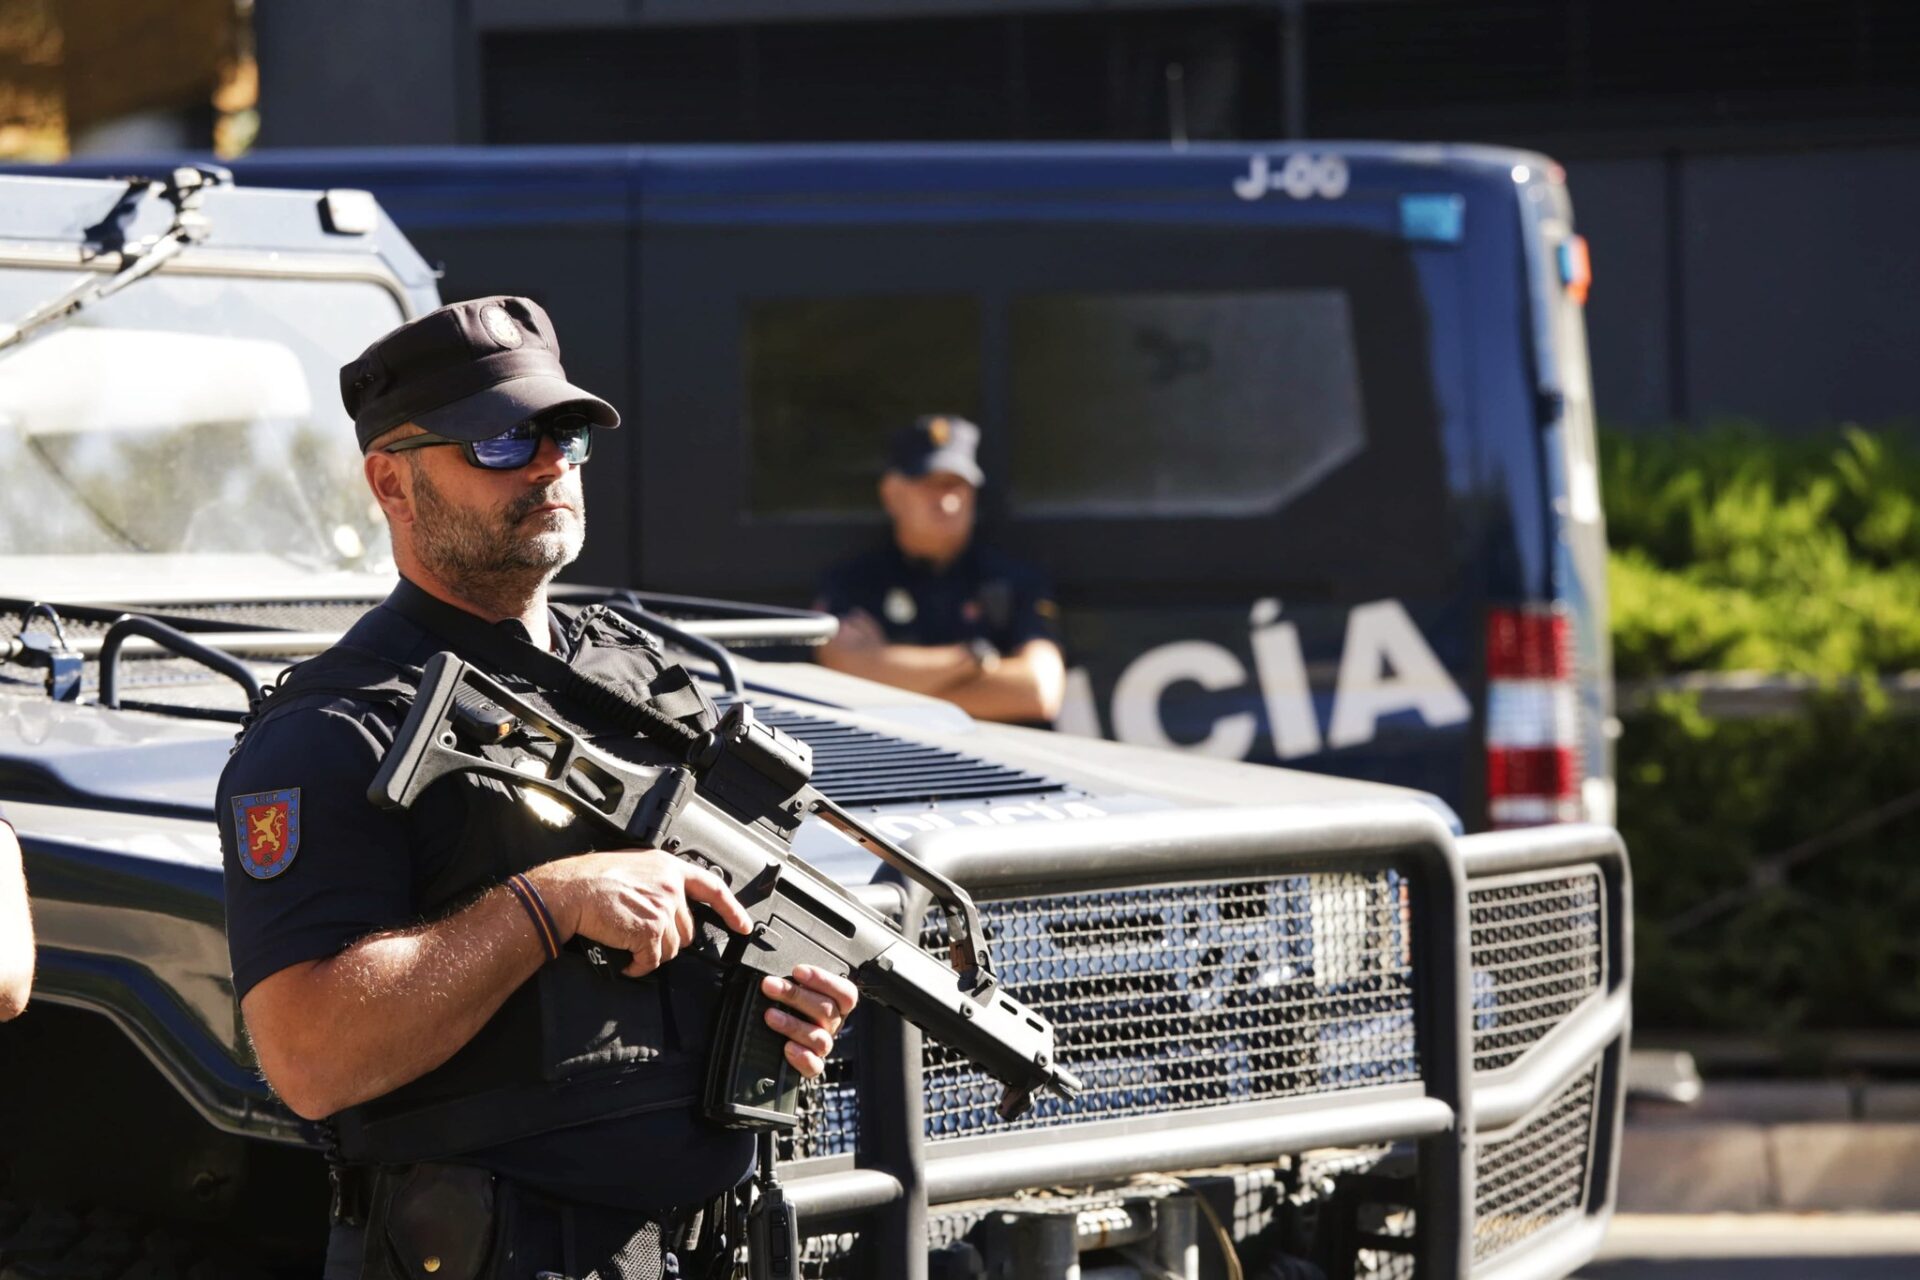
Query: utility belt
[[434, 1221]]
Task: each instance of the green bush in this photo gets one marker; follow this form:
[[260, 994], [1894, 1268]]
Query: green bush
[[1827, 616], [1734, 550], [1688, 498], [1739, 551], [1789, 945]]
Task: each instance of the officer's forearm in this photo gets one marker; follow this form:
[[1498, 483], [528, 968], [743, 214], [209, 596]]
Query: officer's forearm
[[393, 1006], [16, 930], [920, 668], [1025, 686]]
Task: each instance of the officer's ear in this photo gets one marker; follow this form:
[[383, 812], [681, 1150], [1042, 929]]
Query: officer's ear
[[392, 485], [390, 476], [893, 487]]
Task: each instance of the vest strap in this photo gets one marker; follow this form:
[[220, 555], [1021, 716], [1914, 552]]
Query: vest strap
[[502, 652], [440, 1130]]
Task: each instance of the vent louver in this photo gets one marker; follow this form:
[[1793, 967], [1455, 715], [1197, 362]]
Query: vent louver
[[855, 766]]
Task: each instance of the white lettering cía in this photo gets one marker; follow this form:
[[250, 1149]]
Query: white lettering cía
[[1386, 668], [1078, 714], [1138, 693], [1284, 686]]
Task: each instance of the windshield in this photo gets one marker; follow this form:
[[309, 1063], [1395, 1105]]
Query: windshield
[[190, 415]]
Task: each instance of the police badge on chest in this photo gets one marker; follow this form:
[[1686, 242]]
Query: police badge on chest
[[899, 607]]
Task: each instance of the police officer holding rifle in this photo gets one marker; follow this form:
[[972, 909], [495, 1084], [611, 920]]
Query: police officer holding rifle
[[504, 1101]]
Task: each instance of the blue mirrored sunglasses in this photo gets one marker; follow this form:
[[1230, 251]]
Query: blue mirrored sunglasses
[[516, 446]]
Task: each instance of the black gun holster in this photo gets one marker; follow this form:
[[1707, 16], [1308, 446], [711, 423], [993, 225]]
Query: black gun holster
[[434, 1221], [425, 1221]]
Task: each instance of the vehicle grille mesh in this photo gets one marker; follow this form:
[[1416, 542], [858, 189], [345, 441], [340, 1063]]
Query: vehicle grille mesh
[[1538, 947], [1530, 1180], [830, 1106], [830, 1257], [1181, 997], [1395, 1261]]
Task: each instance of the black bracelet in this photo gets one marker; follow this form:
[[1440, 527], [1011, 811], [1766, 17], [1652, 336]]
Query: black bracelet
[[536, 909]]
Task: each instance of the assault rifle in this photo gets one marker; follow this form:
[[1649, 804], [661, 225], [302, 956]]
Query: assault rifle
[[732, 807]]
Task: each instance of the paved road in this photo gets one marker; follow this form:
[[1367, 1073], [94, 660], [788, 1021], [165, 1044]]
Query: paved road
[[1761, 1247], [1779, 1268]]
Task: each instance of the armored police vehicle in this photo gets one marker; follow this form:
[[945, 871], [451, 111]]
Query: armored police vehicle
[[1303, 433], [1317, 1030]]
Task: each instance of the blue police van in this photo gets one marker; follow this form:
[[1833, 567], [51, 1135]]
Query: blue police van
[[1303, 433]]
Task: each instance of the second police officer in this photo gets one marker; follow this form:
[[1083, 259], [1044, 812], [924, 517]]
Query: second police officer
[[935, 610], [501, 1104]]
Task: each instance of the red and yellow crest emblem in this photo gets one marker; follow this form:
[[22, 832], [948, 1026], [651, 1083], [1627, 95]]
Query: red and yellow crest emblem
[[266, 831]]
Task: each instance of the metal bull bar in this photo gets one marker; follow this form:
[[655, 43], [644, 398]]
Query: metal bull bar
[[897, 1173], [1587, 1040]]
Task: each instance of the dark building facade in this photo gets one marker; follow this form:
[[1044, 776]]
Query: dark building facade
[[1746, 170]]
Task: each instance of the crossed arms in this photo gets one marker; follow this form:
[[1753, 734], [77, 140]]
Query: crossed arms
[[1026, 685]]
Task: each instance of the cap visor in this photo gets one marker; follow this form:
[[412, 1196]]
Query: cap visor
[[954, 463], [487, 413]]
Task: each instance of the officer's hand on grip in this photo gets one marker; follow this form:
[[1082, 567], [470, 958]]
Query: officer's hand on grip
[[635, 900], [820, 1002], [641, 901]]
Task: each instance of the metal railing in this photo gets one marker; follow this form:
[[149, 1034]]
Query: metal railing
[[1239, 985], [1392, 863], [1551, 1035]]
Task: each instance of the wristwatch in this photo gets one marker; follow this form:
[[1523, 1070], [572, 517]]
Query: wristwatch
[[984, 653]]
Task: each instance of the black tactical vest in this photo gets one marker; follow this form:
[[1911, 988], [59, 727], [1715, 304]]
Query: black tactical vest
[[579, 1042]]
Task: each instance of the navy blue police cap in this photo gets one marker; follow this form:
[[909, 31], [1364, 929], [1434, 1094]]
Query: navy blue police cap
[[468, 371], [937, 442]]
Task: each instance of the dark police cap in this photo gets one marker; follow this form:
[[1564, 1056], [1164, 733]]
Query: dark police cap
[[937, 442], [467, 371]]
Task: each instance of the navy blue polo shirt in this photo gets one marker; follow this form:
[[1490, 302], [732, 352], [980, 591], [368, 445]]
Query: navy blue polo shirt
[[332, 869], [984, 595], [353, 869]]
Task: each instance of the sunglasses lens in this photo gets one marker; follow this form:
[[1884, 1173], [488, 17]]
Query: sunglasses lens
[[516, 447], [508, 451], [574, 435]]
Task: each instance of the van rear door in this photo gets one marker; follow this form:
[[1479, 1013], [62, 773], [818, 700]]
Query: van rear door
[[1233, 428]]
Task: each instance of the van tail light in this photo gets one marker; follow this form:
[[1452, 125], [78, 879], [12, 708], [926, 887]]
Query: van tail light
[[1533, 718]]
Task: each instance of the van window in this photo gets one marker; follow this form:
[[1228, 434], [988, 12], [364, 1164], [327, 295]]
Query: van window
[[829, 379], [1180, 404], [1299, 376]]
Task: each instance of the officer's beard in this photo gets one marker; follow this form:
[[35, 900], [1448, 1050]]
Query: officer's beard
[[495, 557]]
